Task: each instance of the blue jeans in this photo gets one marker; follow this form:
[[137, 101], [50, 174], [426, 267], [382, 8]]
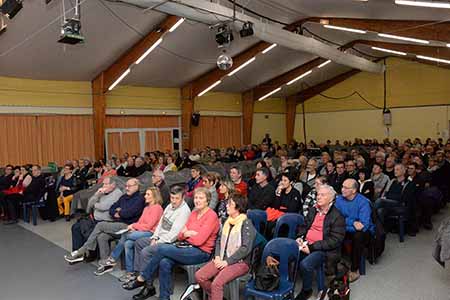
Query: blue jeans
[[165, 256], [308, 264], [127, 242]]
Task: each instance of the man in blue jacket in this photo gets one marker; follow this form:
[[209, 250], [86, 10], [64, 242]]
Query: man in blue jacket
[[357, 212], [125, 211]]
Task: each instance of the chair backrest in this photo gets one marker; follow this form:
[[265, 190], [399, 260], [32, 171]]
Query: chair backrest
[[292, 221], [286, 250], [258, 218]]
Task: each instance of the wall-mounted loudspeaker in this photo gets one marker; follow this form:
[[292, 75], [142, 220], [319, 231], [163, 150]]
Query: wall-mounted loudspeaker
[[195, 119]]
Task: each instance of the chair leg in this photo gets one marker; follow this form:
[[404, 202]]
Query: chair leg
[[233, 287], [25, 213], [34, 214], [401, 229]]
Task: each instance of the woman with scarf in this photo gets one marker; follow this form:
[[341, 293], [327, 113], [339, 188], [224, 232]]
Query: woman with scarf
[[233, 248]]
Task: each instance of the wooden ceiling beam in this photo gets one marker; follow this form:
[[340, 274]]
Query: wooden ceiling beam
[[426, 30], [274, 83], [113, 72]]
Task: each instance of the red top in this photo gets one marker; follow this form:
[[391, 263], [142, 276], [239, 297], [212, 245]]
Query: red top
[[207, 228], [315, 233], [241, 188], [149, 218]]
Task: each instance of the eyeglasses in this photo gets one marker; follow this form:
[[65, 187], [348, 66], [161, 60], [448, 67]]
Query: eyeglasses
[[130, 185]]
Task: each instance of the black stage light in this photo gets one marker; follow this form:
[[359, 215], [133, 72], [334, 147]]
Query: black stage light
[[247, 29], [10, 8], [224, 35], [71, 32]]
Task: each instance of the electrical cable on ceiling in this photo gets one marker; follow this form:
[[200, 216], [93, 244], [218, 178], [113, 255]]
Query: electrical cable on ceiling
[[346, 97]]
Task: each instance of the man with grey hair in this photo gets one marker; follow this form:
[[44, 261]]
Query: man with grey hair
[[158, 181], [356, 210], [399, 197], [98, 207], [320, 239], [123, 212], [311, 172], [140, 166]]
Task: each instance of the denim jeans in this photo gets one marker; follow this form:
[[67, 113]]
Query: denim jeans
[[164, 257], [308, 264], [127, 242]]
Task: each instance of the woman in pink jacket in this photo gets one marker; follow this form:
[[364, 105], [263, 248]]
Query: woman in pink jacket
[[144, 227]]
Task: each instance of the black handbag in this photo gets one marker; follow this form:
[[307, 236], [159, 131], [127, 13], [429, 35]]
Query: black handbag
[[267, 278]]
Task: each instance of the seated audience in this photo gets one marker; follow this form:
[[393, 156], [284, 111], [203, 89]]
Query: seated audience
[[379, 179], [5, 183], [31, 192], [123, 213], [98, 209], [194, 182], [310, 173], [170, 225], [399, 197], [287, 199], [226, 189], [310, 199], [366, 186], [108, 171], [350, 167], [262, 194], [389, 167], [67, 187], [158, 178], [143, 228], [232, 252], [170, 165], [320, 239], [140, 167], [341, 175], [209, 182], [357, 211], [240, 186], [195, 244]]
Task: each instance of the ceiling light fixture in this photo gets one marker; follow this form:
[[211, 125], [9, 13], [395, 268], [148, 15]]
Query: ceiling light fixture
[[269, 94], [119, 79], [210, 87], [445, 61], [175, 26], [269, 48], [389, 51], [242, 66], [324, 64], [345, 29], [299, 77], [148, 51], [433, 4], [403, 38]]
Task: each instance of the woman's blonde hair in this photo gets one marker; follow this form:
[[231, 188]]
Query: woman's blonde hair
[[156, 194], [205, 191]]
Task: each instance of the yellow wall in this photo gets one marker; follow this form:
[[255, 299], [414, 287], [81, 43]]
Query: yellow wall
[[217, 101], [269, 117], [28, 92], [417, 94], [143, 97]]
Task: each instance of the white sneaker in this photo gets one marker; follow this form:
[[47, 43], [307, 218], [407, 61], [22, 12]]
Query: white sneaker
[[74, 257], [189, 290]]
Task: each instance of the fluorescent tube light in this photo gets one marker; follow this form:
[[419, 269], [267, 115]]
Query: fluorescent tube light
[[149, 50], [175, 26], [269, 94], [445, 61], [299, 77], [242, 66], [210, 87], [119, 79], [345, 29], [403, 38], [423, 3], [269, 48], [389, 51], [324, 64]]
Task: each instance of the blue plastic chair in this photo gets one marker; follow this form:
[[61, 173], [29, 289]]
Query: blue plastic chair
[[287, 251], [292, 220], [34, 210], [259, 219]]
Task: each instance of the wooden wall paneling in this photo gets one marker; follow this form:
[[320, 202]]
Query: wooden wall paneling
[[165, 140], [150, 141], [131, 143]]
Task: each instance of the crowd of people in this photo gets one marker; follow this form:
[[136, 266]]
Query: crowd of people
[[342, 191]]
